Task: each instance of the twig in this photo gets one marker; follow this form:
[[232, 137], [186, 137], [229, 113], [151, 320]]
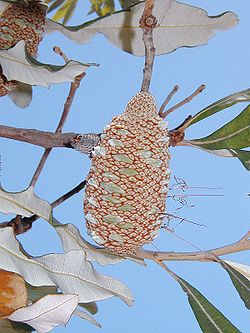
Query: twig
[[169, 97], [147, 12], [58, 50], [242, 245], [148, 22], [21, 225], [69, 194], [186, 100], [73, 87], [165, 267]]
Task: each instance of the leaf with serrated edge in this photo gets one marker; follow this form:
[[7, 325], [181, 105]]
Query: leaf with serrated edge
[[221, 104], [240, 277], [21, 95], [70, 271], [24, 203], [178, 25], [233, 135], [72, 240], [18, 65], [208, 316], [87, 317], [47, 313]]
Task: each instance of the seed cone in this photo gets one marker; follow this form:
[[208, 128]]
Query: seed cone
[[127, 184], [21, 22]]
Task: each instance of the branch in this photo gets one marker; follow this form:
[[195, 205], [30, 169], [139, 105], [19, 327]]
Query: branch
[[242, 245], [73, 87], [51, 140], [148, 22], [38, 138]]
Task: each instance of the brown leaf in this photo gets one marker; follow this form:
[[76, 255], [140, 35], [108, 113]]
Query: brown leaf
[[13, 293]]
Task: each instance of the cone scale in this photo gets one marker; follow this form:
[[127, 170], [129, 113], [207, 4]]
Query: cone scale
[[128, 181]]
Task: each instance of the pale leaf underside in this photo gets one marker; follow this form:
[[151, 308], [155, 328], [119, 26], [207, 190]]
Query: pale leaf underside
[[72, 240], [47, 313], [18, 65], [179, 25], [21, 95], [240, 277], [70, 272], [24, 203]]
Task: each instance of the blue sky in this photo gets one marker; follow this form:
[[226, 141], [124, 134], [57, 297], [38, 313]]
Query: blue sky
[[223, 66]]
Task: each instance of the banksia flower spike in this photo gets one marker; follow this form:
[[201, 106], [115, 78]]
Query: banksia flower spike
[[20, 21], [127, 184]]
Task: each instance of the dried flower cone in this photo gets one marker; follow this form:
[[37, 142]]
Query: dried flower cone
[[21, 22], [127, 184], [13, 293]]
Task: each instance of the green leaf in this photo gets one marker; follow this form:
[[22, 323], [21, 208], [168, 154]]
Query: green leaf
[[65, 11], [234, 135], [8, 326], [226, 102], [125, 4], [177, 27], [210, 319], [241, 282], [102, 7], [91, 307], [242, 155], [35, 293], [54, 5], [70, 11]]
